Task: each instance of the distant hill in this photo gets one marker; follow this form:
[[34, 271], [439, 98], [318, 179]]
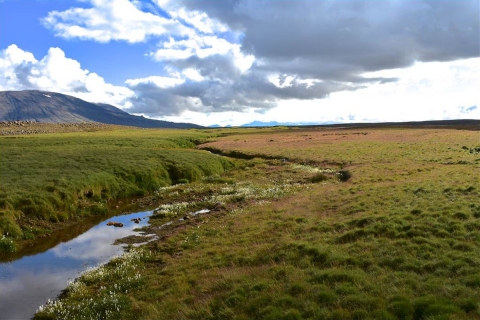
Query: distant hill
[[275, 124], [51, 107], [469, 124], [457, 123]]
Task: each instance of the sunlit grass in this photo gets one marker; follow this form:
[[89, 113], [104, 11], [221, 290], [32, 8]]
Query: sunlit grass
[[50, 178], [399, 239]]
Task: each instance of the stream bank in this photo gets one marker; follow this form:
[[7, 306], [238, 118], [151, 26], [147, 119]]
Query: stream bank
[[32, 280]]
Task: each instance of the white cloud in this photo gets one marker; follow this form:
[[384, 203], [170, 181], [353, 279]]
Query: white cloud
[[425, 91], [192, 74], [190, 33], [160, 82], [200, 46], [19, 70], [10, 59], [280, 82], [243, 62], [57, 71], [208, 71], [232, 118], [199, 20], [113, 20], [109, 20], [15, 55]]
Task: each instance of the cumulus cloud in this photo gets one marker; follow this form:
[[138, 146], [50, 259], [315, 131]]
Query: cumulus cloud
[[109, 20], [56, 72], [199, 46], [247, 91], [424, 91], [199, 20], [338, 40], [159, 82], [244, 55]]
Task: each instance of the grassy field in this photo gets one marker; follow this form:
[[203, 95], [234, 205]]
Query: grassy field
[[316, 223], [48, 179]]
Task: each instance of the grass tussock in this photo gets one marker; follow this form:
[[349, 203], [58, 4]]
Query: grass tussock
[[399, 240], [51, 178]]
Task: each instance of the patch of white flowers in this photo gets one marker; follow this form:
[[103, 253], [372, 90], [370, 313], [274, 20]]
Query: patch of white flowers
[[165, 189], [252, 192], [228, 193], [311, 169], [172, 209], [108, 301], [77, 287]]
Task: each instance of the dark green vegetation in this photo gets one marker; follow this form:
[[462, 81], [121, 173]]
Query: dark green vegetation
[[309, 224], [50, 178]]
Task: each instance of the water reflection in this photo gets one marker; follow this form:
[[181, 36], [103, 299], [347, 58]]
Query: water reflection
[[27, 283]]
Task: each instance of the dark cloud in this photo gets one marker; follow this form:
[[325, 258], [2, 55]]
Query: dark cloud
[[334, 42], [249, 90], [356, 35], [213, 67], [152, 100]]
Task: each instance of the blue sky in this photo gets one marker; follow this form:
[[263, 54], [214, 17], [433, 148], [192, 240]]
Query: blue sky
[[233, 62], [21, 24]]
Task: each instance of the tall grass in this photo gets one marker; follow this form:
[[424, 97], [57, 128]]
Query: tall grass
[[53, 177], [399, 239]]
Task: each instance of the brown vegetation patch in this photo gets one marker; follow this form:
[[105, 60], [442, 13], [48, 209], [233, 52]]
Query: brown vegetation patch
[[8, 128]]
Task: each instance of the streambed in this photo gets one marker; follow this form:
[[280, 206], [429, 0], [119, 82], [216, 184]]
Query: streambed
[[30, 281]]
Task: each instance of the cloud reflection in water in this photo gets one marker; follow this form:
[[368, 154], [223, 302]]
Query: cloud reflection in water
[[29, 282]]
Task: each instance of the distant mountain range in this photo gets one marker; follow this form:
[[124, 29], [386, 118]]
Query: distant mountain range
[[272, 124], [275, 123], [51, 107], [469, 124]]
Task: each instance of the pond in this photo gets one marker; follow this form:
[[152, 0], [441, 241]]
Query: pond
[[28, 282]]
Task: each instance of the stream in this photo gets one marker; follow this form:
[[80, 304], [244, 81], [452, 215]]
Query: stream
[[28, 282]]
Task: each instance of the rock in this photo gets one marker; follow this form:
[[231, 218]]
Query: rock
[[115, 224]]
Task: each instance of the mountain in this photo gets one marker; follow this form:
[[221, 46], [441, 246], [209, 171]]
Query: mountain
[[51, 107], [275, 123]]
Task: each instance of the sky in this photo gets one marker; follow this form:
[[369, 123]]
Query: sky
[[232, 62]]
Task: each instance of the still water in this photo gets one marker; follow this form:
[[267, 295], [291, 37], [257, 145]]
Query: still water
[[30, 281]]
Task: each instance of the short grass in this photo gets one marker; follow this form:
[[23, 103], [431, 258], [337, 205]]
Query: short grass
[[288, 239], [50, 178]]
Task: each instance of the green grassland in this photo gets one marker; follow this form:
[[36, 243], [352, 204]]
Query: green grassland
[[47, 179], [319, 223]]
